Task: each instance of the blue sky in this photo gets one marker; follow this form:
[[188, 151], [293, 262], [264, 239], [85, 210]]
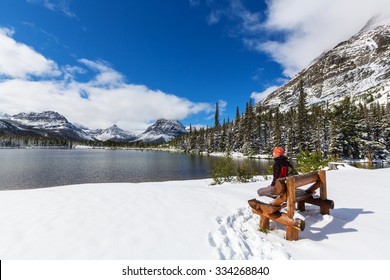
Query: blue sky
[[129, 62]]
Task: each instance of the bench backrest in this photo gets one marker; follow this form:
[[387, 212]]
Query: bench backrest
[[299, 181]]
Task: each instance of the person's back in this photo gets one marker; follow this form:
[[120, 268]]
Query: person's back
[[280, 170]]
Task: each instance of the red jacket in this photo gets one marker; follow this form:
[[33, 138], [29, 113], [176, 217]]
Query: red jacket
[[280, 168]]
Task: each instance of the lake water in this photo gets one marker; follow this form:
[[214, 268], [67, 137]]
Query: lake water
[[40, 168]]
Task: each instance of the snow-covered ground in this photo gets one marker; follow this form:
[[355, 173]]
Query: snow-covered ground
[[191, 220]]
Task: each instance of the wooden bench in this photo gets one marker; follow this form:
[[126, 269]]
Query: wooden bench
[[289, 193]]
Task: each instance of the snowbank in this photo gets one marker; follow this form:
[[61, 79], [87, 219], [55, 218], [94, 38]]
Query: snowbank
[[190, 220]]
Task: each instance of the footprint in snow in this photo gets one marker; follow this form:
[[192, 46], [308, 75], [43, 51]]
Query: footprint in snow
[[237, 238]]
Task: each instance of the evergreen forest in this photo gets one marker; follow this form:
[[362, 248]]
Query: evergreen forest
[[347, 130]]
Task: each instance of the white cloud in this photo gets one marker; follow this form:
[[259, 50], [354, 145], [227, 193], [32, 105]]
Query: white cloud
[[303, 28], [71, 71], [311, 27], [106, 75], [295, 32], [21, 61], [99, 102], [258, 96]]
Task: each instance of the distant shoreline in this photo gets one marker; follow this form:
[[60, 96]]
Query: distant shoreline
[[236, 155]]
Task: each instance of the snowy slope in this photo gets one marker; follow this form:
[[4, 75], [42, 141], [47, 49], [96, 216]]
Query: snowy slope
[[113, 133], [49, 121], [162, 131], [190, 220], [358, 67]]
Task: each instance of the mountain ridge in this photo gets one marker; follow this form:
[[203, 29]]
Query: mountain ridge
[[54, 125], [162, 131], [358, 67]]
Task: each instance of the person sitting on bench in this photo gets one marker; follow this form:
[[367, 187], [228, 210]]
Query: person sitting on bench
[[280, 169]]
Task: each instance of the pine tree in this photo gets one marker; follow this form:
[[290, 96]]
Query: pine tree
[[326, 131], [201, 140], [237, 115], [345, 130], [291, 124], [229, 137], [217, 124], [217, 130], [317, 136], [237, 135], [247, 129], [302, 131], [222, 143], [259, 130], [277, 127], [192, 140]]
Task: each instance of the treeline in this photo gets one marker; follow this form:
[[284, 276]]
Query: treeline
[[347, 129], [24, 141], [27, 141]]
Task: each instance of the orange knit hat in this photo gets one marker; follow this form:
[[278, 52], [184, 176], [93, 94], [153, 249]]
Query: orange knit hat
[[278, 151]]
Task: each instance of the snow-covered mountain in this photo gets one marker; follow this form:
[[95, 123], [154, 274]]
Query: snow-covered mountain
[[162, 131], [4, 116], [46, 124], [358, 67], [47, 119], [113, 133], [54, 125]]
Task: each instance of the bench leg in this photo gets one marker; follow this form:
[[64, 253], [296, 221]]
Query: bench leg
[[324, 210], [323, 192], [301, 206], [291, 233], [264, 223]]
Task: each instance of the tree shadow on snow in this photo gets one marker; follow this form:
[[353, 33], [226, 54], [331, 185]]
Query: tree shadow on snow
[[336, 222]]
